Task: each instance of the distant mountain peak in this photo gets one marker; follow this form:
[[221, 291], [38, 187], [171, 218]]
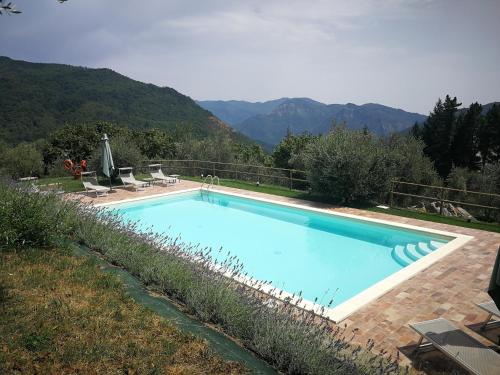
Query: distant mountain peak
[[269, 121]]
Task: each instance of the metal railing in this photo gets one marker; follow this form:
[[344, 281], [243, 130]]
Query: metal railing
[[291, 178], [482, 204]]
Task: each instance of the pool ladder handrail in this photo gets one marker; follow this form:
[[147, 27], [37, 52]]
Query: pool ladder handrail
[[211, 184]]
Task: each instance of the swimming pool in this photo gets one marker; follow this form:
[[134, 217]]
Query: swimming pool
[[322, 255]]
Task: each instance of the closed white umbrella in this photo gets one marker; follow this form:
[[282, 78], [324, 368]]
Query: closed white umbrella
[[108, 166]]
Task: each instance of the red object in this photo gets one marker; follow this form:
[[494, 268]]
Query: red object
[[75, 169], [68, 165]]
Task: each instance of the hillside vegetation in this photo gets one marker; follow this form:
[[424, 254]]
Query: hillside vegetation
[[37, 99]]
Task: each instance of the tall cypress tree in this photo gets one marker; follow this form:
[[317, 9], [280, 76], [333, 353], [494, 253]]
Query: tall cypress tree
[[438, 132], [465, 145], [489, 136]]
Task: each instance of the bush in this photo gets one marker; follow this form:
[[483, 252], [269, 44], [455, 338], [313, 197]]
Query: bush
[[24, 160], [348, 165], [487, 181], [355, 166], [408, 161], [33, 219]]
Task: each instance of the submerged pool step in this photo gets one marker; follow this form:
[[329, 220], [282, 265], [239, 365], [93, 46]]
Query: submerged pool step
[[424, 248], [412, 252], [435, 245], [399, 255], [409, 253]]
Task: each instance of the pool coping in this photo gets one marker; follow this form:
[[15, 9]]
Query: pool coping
[[359, 300]]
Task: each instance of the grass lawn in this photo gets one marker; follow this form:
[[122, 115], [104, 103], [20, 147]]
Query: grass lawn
[[436, 218], [62, 314]]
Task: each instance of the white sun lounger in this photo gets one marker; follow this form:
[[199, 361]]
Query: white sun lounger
[[458, 346], [97, 189], [128, 179], [158, 175]]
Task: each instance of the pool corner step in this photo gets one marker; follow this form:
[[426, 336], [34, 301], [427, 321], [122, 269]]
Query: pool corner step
[[435, 244], [399, 255], [424, 248], [412, 252]]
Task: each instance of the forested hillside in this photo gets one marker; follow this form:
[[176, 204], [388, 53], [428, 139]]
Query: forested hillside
[[36, 99], [269, 122]]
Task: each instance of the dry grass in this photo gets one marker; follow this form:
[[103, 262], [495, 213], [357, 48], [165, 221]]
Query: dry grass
[[61, 314]]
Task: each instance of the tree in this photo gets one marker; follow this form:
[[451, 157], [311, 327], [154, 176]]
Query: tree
[[489, 136], [24, 160], [348, 166], [465, 145], [287, 153], [438, 132], [416, 131], [155, 144]]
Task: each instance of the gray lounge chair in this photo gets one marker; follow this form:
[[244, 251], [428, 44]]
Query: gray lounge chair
[[458, 346], [492, 311], [92, 186], [158, 175], [128, 179]]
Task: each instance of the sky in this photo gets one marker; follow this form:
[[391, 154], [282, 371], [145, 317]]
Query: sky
[[404, 54]]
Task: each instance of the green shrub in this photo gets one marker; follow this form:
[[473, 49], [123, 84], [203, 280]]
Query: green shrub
[[33, 219], [355, 166], [24, 160], [348, 165]]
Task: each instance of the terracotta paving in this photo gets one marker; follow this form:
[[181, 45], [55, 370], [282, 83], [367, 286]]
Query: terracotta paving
[[449, 288]]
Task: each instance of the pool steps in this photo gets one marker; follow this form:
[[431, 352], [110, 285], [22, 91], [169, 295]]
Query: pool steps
[[409, 253]]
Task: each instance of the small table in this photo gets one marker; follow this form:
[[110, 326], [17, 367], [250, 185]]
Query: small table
[[150, 181], [176, 176]]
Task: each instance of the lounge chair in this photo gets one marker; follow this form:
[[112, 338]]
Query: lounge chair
[[458, 346], [128, 179], [492, 311], [157, 175], [93, 186]]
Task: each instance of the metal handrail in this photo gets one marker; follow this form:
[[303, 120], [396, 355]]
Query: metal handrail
[[205, 181]]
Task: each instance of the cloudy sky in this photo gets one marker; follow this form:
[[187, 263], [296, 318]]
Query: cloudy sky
[[400, 53]]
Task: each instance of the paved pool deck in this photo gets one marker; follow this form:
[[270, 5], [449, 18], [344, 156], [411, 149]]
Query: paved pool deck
[[448, 288]]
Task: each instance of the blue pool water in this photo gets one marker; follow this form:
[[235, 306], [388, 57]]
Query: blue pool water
[[295, 249]]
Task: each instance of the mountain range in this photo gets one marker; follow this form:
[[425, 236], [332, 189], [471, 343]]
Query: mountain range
[[36, 99], [268, 122]]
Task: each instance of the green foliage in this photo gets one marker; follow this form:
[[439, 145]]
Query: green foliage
[[155, 144], [348, 165], [438, 132], [33, 219], [125, 154], [465, 144], [408, 161], [288, 153], [464, 138], [489, 136], [23, 160], [355, 166], [38, 99]]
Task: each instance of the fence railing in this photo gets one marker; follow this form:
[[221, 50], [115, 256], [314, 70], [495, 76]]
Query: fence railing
[[292, 178], [445, 200]]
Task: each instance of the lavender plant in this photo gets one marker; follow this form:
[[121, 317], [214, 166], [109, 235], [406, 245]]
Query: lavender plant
[[295, 341]]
